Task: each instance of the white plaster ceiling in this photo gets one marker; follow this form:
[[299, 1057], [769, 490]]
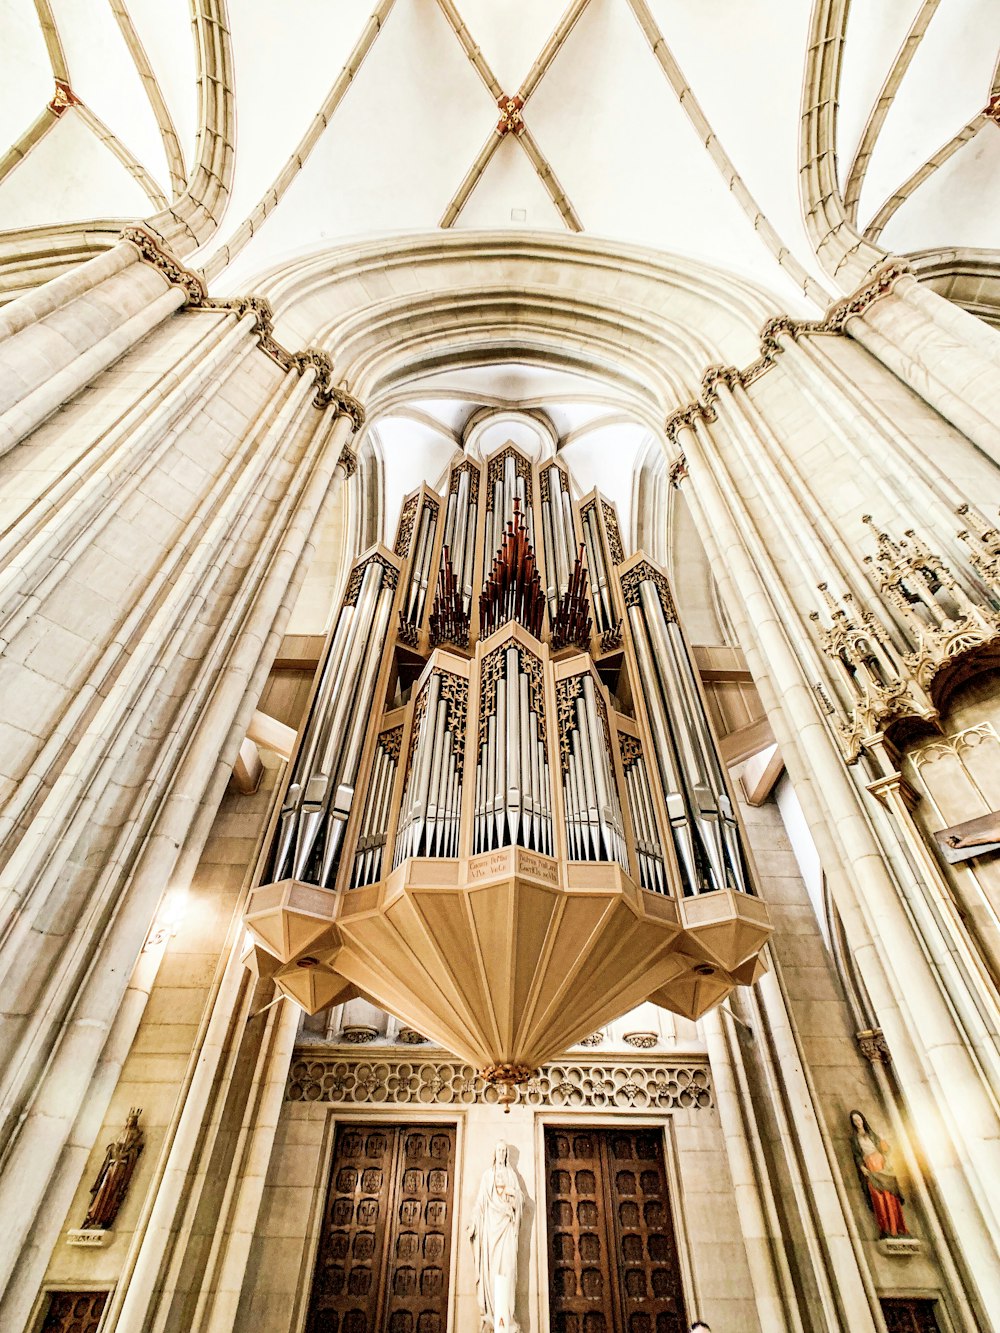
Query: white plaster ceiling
[[106, 156], [611, 121], [103, 75], [26, 84], [91, 182], [933, 69], [418, 433]]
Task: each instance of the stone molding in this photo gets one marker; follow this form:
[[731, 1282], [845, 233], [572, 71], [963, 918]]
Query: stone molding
[[834, 321], [152, 252], [608, 1085]]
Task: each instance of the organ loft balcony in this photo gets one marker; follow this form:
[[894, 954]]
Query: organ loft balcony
[[506, 820]]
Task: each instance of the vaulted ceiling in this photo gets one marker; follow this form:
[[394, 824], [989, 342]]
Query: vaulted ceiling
[[674, 124]]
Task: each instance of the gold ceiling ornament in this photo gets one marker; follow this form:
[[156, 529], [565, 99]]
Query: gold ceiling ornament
[[63, 98], [511, 120], [507, 888]]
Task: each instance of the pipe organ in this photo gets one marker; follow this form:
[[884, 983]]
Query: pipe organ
[[506, 820]]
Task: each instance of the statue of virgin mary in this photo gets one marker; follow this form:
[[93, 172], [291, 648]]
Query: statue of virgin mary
[[496, 1223]]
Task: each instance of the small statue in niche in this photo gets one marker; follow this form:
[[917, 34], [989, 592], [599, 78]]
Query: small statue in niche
[[496, 1225], [107, 1193], [881, 1188]]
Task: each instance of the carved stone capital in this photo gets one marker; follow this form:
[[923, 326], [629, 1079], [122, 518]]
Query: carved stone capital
[[684, 419], [152, 251], [348, 460], [894, 784], [882, 281], [346, 404], [715, 377], [873, 1046], [258, 306], [678, 471], [773, 331], [881, 284]]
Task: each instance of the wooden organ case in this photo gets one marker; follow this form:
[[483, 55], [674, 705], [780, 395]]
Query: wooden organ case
[[506, 821]]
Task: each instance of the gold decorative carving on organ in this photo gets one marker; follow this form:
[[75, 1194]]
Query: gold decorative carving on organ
[[506, 821]]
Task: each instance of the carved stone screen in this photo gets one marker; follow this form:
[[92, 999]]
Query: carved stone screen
[[384, 1251], [905, 1315], [613, 1263], [74, 1311]]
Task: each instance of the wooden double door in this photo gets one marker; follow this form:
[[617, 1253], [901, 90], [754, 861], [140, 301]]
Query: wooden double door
[[904, 1314], [383, 1259], [613, 1261]]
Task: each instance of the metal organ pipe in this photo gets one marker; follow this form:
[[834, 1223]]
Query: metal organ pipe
[[460, 531], [432, 794], [421, 874], [698, 805], [513, 801], [513, 783], [558, 536], [319, 797], [594, 826], [649, 850], [597, 559], [422, 545], [663, 745], [367, 867]]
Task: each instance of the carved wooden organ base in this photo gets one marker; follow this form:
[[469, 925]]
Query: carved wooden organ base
[[510, 840]]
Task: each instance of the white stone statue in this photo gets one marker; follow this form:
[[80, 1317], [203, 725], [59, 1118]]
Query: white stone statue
[[496, 1223]]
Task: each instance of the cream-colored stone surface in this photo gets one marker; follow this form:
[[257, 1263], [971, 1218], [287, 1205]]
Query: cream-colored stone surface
[[202, 923], [279, 1271], [839, 1077], [170, 518]]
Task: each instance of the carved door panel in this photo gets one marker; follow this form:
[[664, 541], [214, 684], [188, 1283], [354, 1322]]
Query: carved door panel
[[645, 1246], [74, 1311], [904, 1315], [580, 1264], [417, 1285], [613, 1262], [382, 1264]]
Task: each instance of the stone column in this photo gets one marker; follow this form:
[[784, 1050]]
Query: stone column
[[56, 339], [939, 1072], [947, 356], [774, 1293], [124, 777]]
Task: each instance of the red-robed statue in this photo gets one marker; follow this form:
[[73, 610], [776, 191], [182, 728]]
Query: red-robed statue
[[871, 1157]]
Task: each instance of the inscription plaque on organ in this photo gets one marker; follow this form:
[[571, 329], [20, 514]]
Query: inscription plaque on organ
[[506, 821]]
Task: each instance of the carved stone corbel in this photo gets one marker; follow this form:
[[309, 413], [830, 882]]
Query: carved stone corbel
[[873, 1046], [152, 251]]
